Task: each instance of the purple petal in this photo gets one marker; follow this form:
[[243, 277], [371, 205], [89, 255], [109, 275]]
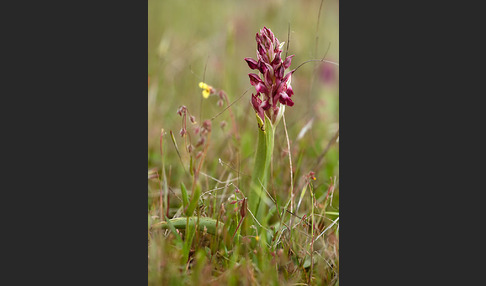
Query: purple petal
[[256, 103], [276, 44], [276, 98], [275, 110], [287, 77], [265, 105], [261, 88], [254, 79], [285, 99], [283, 84], [287, 62], [262, 57], [253, 64], [261, 49], [268, 67], [285, 81], [262, 67], [268, 78], [265, 41], [276, 61], [258, 38], [269, 33], [289, 91], [279, 73]]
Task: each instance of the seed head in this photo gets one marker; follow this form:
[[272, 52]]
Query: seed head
[[182, 110], [183, 132], [243, 208]]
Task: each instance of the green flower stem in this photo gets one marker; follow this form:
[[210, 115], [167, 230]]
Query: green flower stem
[[261, 171]]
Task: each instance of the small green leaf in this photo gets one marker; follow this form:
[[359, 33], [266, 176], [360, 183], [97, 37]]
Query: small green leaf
[[185, 200], [194, 200], [172, 228], [189, 235]]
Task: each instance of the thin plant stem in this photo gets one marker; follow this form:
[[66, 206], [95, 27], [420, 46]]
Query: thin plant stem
[[311, 189]]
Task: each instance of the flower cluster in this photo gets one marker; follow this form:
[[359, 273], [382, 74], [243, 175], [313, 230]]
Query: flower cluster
[[203, 131], [272, 86]]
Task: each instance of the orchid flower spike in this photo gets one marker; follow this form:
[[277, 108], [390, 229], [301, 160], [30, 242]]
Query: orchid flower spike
[[272, 84]]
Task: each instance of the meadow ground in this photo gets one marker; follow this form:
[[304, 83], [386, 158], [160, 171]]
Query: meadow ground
[[296, 242]]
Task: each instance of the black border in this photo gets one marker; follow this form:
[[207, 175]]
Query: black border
[[76, 112], [409, 137]]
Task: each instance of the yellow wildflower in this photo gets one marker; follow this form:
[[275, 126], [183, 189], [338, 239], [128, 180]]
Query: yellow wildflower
[[207, 89]]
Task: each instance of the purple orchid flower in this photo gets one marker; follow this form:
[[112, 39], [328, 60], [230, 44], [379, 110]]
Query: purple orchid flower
[[272, 85]]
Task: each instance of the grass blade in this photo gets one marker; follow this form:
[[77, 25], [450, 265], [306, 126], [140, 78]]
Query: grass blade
[[185, 200]]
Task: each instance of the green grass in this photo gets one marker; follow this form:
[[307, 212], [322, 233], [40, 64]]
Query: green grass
[[209, 39]]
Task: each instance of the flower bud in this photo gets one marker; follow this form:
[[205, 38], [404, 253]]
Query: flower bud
[[222, 124], [183, 132]]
